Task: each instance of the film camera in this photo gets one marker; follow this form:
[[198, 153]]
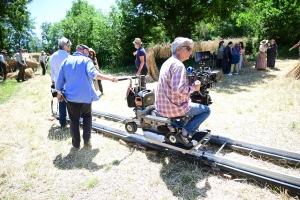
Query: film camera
[[206, 76]]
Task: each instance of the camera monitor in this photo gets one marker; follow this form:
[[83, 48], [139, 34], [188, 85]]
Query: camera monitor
[[201, 56]]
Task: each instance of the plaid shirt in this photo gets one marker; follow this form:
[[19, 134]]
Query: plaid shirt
[[173, 92]]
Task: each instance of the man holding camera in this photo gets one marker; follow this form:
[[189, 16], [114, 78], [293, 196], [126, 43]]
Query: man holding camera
[[173, 92]]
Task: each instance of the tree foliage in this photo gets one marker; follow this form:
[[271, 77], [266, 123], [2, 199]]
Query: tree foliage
[[15, 24]]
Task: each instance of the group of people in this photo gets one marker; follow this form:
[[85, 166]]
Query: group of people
[[230, 58], [72, 76], [267, 55]]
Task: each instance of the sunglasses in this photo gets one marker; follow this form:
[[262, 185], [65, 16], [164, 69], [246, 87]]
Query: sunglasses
[[188, 48]]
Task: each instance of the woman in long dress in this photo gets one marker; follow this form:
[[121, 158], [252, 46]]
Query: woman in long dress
[[242, 51], [261, 62], [220, 54], [271, 54]]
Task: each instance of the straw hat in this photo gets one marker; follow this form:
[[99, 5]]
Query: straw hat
[[137, 41], [4, 51], [264, 42]]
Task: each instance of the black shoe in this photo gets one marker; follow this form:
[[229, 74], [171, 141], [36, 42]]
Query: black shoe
[[24, 80], [183, 140], [18, 80], [88, 144]]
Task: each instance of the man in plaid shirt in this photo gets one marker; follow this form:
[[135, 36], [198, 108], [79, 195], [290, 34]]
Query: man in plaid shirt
[[173, 91]]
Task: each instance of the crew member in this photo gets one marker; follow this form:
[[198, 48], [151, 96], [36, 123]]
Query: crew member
[[64, 48], [22, 65], [43, 62], [173, 92], [3, 63], [75, 81], [140, 58]]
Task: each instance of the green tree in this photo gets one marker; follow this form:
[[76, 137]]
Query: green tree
[[15, 24]]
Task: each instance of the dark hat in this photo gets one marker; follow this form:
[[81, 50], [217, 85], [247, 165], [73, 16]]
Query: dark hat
[[229, 43], [20, 49]]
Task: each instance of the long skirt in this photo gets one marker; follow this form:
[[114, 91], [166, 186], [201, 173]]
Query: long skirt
[[261, 63], [241, 61]]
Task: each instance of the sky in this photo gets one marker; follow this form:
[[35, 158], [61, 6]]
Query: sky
[[55, 10]]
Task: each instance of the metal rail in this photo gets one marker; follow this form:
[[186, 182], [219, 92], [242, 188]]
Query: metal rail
[[275, 178], [254, 149]]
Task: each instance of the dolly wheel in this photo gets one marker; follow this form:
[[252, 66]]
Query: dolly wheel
[[131, 127], [172, 137]]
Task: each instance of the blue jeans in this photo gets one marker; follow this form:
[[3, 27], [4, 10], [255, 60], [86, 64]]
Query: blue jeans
[[62, 113], [200, 113]]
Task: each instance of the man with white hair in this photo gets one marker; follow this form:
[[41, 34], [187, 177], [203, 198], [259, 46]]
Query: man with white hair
[[64, 48], [173, 92]]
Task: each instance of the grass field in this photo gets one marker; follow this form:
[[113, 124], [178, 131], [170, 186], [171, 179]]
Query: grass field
[[37, 161]]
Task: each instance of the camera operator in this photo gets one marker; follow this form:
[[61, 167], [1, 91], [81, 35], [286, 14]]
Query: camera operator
[[173, 91]]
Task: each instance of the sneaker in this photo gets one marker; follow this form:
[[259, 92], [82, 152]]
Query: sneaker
[[236, 73], [230, 74], [183, 140]]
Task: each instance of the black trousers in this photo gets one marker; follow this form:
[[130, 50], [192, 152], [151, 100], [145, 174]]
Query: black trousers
[[21, 74], [43, 67], [144, 71], [100, 86], [75, 111], [3, 70]]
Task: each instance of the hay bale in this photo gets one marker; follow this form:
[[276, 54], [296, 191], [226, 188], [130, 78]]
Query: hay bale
[[12, 75], [12, 63], [153, 70], [35, 55], [32, 64], [29, 73], [295, 72]]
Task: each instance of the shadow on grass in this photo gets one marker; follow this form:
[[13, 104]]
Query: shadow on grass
[[186, 180], [58, 133], [78, 159], [246, 79]]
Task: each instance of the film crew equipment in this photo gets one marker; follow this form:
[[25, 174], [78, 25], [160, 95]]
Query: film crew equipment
[[205, 76]]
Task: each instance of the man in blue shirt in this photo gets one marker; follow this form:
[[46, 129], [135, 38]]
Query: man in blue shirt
[[140, 60], [75, 82]]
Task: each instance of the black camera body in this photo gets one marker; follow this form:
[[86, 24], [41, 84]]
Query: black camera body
[[206, 76]]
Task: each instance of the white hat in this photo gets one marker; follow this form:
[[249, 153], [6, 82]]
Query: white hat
[[137, 41]]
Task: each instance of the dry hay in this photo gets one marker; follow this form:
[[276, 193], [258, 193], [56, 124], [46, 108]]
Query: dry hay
[[32, 64], [28, 74], [153, 70], [12, 63], [35, 55], [295, 72]]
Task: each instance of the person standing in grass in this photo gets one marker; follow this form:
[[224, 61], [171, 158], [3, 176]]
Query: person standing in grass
[[261, 62], [271, 53], [75, 82], [3, 63], [43, 62], [220, 54], [242, 52], [227, 58], [22, 65], [235, 59], [64, 48], [140, 60], [92, 56]]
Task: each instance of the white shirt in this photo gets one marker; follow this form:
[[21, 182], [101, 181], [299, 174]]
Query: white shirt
[[42, 58], [55, 61], [2, 59], [18, 57]]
